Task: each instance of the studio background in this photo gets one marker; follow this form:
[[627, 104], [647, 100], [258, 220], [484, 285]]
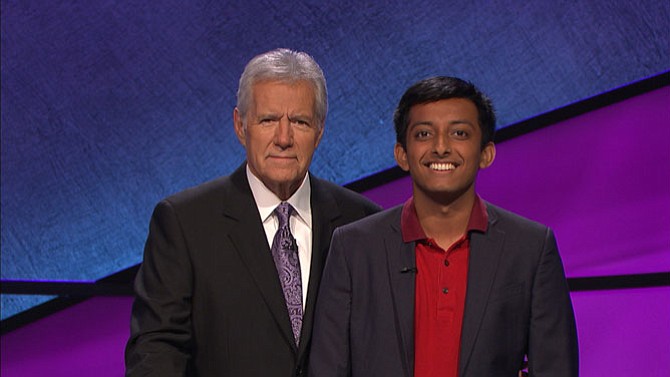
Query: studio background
[[109, 106]]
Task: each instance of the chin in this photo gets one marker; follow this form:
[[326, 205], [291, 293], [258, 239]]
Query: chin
[[284, 178]]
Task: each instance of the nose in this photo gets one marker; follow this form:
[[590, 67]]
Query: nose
[[442, 145], [284, 134]]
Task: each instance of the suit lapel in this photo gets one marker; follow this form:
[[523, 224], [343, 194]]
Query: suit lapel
[[247, 235], [402, 277], [325, 212], [485, 255]]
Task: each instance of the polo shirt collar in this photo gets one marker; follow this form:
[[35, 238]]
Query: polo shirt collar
[[411, 229]]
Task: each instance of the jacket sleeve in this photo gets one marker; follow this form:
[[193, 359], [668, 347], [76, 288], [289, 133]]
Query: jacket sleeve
[[330, 352], [161, 332], [553, 349]]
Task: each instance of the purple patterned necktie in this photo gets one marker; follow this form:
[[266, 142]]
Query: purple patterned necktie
[[285, 255]]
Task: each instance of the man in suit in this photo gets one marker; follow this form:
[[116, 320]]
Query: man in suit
[[446, 284], [232, 267]]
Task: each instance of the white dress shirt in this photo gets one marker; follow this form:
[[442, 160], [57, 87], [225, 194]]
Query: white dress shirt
[[300, 222]]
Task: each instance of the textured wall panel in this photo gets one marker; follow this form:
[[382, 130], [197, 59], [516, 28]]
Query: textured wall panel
[[108, 106]]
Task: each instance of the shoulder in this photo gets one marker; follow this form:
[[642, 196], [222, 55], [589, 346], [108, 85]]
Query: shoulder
[[227, 193], [511, 221], [363, 241], [202, 193], [346, 200], [374, 225], [521, 233]]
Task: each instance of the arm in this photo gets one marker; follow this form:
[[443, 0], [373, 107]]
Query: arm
[[552, 348], [330, 352], [160, 340]]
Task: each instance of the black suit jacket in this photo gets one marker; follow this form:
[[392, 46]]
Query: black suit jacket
[[208, 297], [517, 302]]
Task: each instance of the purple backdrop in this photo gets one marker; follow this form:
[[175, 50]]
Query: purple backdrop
[[108, 106], [604, 189], [601, 180]]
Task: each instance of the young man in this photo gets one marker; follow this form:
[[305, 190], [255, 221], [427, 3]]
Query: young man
[[232, 267], [446, 284]]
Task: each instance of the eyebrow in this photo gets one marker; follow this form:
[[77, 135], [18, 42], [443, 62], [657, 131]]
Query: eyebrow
[[300, 117], [452, 123], [268, 115]]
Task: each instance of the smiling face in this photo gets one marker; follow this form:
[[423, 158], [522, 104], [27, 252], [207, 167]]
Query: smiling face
[[443, 152], [280, 133]]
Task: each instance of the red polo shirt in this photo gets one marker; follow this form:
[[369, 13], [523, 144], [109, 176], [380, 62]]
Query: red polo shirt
[[441, 283]]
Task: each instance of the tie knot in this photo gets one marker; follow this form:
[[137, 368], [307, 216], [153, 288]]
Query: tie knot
[[283, 212]]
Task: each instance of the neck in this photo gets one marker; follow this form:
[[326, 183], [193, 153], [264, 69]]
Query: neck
[[442, 218], [284, 192]]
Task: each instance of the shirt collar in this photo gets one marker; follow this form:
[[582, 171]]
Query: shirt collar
[[267, 201], [411, 229]]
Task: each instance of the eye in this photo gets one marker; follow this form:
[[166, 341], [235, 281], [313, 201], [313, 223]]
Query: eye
[[301, 123], [422, 134], [461, 134]]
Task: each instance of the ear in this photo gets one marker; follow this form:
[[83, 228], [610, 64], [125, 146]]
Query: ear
[[487, 156], [238, 123], [401, 156], [320, 135]]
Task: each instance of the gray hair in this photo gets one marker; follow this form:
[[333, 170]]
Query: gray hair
[[286, 66]]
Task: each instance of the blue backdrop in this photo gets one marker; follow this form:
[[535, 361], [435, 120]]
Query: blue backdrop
[[109, 106]]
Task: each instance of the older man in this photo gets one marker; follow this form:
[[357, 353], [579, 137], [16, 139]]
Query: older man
[[232, 267]]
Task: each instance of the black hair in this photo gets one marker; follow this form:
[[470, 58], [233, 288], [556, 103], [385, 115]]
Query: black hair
[[438, 88]]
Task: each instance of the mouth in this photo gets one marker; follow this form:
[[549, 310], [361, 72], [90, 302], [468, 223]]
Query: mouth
[[442, 166], [276, 157], [281, 161]]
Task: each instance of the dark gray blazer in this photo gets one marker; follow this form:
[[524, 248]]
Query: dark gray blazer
[[208, 297], [517, 302]]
